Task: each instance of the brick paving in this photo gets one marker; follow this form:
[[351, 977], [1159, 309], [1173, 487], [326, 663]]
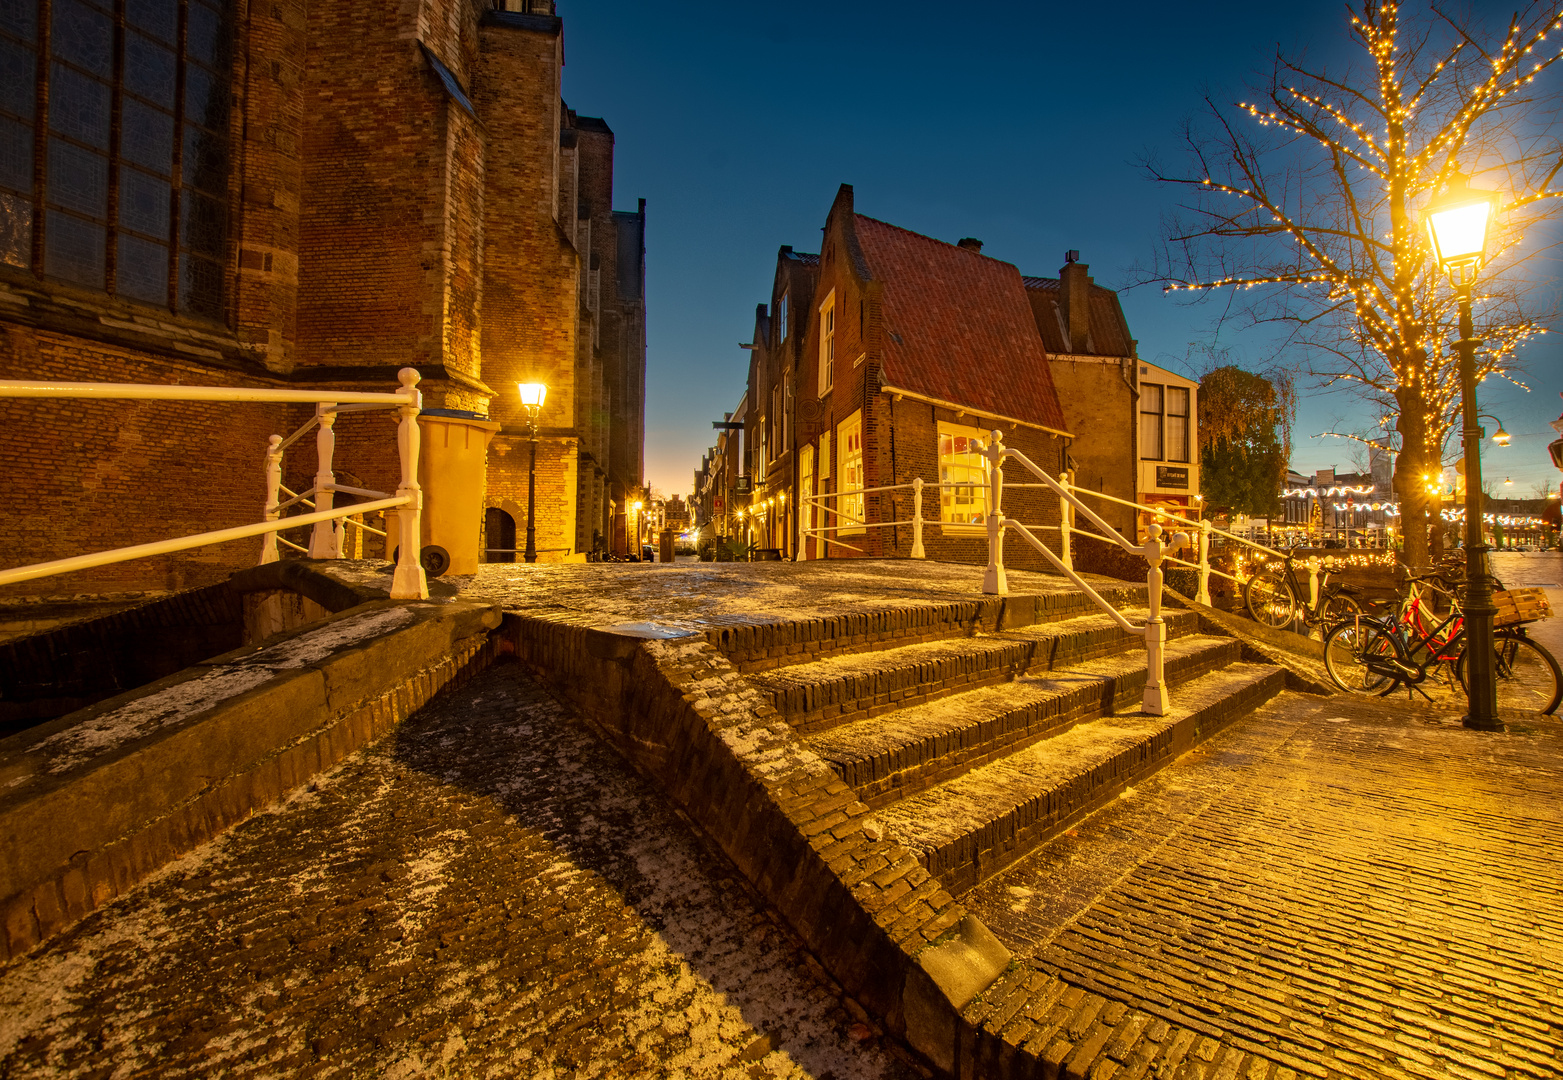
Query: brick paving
[[1331, 888], [488, 892]]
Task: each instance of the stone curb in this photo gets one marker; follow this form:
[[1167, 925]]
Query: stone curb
[[95, 801]]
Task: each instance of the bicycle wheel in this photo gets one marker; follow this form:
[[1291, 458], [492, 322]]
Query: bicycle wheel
[[1527, 676], [1338, 608], [1357, 655], [1269, 600]]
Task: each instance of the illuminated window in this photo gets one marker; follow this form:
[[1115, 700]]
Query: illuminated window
[[963, 508], [135, 172], [1151, 404], [805, 487], [824, 456], [827, 345], [1177, 423], [849, 443]]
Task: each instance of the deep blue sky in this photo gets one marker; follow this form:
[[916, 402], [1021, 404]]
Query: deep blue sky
[[1017, 123]]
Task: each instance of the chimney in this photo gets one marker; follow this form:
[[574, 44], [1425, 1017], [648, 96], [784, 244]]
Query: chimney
[[970, 243], [1074, 301]]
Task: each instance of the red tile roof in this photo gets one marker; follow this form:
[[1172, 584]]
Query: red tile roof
[[1109, 333], [958, 326]]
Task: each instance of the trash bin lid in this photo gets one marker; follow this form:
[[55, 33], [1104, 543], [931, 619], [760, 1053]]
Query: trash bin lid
[[457, 414]]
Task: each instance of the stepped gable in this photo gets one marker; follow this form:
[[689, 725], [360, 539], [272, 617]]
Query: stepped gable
[[958, 326]]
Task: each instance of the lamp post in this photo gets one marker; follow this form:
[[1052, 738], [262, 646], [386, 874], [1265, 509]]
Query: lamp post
[[532, 396], [1457, 223]]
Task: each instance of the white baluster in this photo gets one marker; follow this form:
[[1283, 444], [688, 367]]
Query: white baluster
[[1156, 702], [1066, 515], [1313, 582], [324, 539], [409, 582], [273, 483], [917, 519], [994, 581], [1203, 596]]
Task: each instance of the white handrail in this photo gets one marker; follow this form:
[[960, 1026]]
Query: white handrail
[[1154, 632], [409, 581], [184, 543], [26, 388]]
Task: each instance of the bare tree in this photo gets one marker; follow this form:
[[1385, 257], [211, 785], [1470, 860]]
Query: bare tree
[[1303, 203]]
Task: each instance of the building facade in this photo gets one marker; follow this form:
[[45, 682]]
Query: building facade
[[302, 196]]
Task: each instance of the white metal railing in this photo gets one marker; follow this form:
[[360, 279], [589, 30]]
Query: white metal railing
[[1205, 530], [409, 581], [1154, 630], [917, 521]]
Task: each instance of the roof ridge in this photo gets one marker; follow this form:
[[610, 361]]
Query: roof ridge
[[924, 236]]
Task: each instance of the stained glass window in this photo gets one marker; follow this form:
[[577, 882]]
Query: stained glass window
[[127, 189]]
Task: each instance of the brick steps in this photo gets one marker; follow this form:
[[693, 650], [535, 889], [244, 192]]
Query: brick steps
[[895, 755], [968, 828], [823, 694]]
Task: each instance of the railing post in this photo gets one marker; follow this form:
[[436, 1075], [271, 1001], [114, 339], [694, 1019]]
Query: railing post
[[994, 581], [1313, 581], [409, 582], [917, 519], [1155, 702], [273, 482], [1203, 596], [323, 541], [1066, 513]]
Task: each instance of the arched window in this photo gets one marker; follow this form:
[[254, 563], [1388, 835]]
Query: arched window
[[114, 120]]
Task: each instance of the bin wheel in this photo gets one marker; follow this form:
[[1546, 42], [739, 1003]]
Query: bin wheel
[[435, 559]]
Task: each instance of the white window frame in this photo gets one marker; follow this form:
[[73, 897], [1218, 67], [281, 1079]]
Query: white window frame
[[1160, 412], [947, 496], [827, 344], [1167, 415], [849, 443], [781, 319]]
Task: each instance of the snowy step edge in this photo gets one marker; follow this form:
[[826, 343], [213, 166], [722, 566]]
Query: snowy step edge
[[1078, 771]]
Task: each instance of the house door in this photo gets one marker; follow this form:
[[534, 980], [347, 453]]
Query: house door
[[499, 535]]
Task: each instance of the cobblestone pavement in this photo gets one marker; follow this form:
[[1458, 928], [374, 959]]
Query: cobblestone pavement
[[489, 892], [1341, 888], [699, 595]]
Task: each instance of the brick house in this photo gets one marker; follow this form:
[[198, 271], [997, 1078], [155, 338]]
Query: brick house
[[775, 363], [1136, 423], [302, 196], [913, 351]]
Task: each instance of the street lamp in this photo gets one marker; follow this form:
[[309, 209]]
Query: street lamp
[[1458, 223], [532, 397]]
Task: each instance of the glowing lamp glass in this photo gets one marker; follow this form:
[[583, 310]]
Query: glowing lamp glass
[[1500, 436], [532, 394], [1457, 223]]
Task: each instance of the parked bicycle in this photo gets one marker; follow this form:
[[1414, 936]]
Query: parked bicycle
[[1376, 656], [1276, 598]]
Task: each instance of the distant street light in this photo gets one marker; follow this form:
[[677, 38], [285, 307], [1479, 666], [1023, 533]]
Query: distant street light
[[532, 398], [1458, 223]]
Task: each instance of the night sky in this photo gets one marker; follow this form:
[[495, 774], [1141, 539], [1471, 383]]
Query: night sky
[[1020, 124]]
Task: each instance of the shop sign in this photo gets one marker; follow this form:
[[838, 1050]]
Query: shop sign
[[1172, 476]]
